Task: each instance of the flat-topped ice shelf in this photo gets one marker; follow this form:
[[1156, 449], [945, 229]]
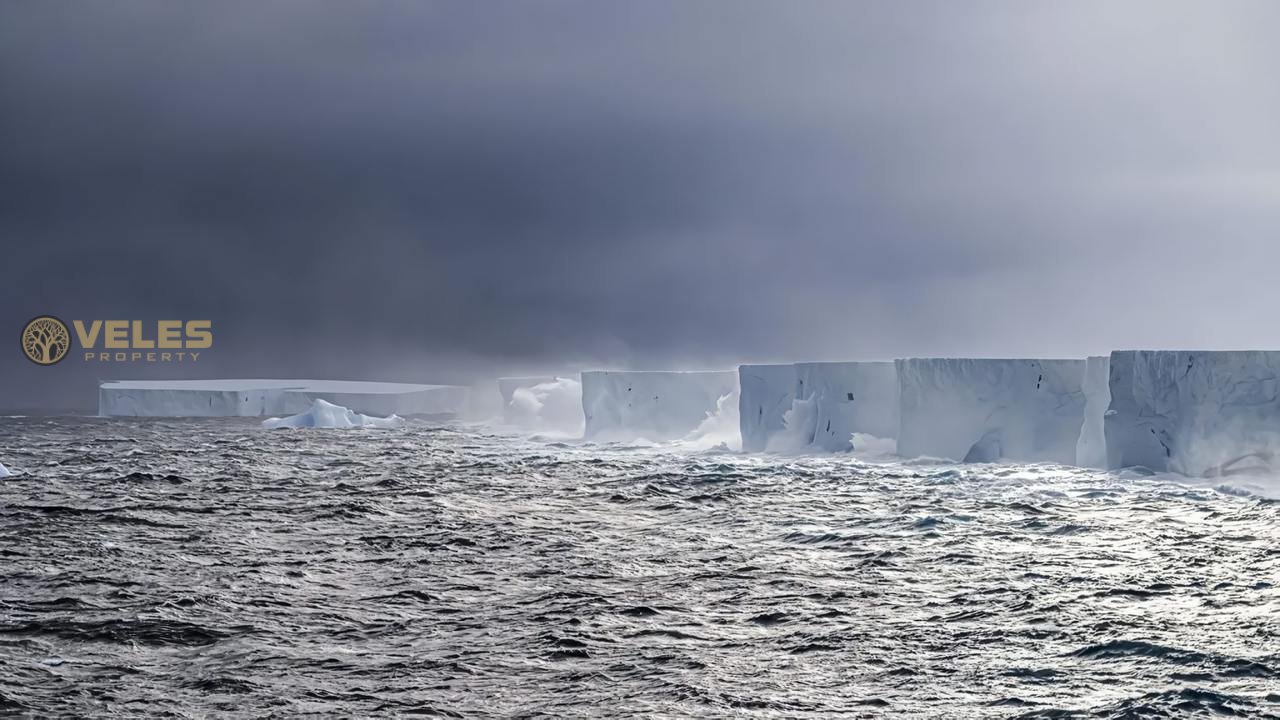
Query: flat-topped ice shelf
[[267, 397]]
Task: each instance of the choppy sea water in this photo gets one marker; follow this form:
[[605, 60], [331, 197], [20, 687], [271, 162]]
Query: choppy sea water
[[210, 568]]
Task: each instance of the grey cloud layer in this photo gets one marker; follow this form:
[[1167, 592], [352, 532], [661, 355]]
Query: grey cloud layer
[[400, 189]]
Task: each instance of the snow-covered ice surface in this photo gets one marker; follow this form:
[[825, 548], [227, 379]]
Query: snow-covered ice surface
[[1091, 449], [651, 405], [1193, 412], [201, 568], [323, 414], [261, 397], [980, 410]]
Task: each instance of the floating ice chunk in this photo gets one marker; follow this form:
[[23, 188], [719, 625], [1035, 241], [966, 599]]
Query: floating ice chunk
[[327, 415], [986, 410], [657, 406], [1201, 414]]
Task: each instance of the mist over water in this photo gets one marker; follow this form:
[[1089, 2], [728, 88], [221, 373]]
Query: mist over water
[[210, 566], [549, 408]]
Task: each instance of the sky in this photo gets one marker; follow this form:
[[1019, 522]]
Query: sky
[[446, 191]]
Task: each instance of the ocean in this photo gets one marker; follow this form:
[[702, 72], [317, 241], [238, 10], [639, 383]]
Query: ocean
[[209, 568]]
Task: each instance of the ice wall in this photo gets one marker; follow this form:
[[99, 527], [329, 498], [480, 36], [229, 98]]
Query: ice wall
[[816, 406], [192, 398], [848, 398], [1202, 414], [764, 397], [257, 397], [1091, 449], [657, 406], [986, 410]]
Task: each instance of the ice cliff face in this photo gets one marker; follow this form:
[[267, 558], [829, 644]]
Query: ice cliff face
[[1202, 414], [816, 406], [657, 406], [765, 395], [194, 398], [987, 410], [1091, 450], [848, 398], [256, 398]]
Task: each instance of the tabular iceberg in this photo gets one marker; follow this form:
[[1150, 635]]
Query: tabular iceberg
[[323, 414], [1196, 413], [987, 410], [765, 393], [848, 398], [816, 406], [256, 398], [1091, 449], [657, 406]]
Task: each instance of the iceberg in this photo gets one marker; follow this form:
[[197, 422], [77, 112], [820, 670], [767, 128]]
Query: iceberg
[[324, 414], [987, 410], [848, 398], [1201, 414], [765, 393], [1091, 449], [258, 398], [656, 406], [817, 405]]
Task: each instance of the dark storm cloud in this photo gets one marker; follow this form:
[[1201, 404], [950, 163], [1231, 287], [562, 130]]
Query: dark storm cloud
[[438, 190]]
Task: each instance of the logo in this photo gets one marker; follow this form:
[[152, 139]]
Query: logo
[[45, 340]]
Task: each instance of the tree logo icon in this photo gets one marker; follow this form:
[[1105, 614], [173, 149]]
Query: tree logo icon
[[45, 340]]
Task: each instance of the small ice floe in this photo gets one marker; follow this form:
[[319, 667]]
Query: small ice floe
[[327, 415]]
